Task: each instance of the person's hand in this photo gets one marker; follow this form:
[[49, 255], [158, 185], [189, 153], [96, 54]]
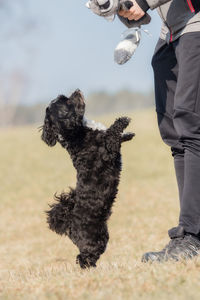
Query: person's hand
[[134, 13]]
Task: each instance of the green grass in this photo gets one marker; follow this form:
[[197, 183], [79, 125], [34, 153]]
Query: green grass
[[35, 263]]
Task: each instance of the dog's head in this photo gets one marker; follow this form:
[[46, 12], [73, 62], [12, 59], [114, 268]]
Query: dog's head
[[63, 115]]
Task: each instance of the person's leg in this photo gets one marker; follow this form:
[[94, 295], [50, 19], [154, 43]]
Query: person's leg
[[187, 124], [185, 238], [165, 68]]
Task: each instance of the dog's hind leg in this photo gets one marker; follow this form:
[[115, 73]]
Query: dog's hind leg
[[91, 246], [60, 215]]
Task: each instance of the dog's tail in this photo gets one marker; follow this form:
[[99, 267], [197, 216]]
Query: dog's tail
[[60, 215]]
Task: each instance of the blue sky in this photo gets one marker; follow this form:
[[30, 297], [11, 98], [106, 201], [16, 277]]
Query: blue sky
[[73, 48]]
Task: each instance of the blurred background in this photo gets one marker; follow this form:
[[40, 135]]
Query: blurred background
[[51, 47]]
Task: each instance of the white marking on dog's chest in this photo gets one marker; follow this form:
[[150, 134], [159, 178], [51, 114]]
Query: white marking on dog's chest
[[93, 125]]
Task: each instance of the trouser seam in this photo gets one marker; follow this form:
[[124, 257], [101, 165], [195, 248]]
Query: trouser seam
[[196, 98]]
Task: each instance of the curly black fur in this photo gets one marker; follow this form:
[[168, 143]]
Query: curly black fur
[[82, 214]]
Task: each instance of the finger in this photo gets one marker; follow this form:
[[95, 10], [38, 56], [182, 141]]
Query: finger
[[133, 10], [138, 18], [135, 17], [132, 16], [122, 12], [127, 14], [133, 13]]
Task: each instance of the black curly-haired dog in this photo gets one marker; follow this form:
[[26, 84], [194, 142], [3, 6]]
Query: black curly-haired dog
[[82, 213]]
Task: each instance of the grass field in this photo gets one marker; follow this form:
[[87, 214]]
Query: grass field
[[35, 263]]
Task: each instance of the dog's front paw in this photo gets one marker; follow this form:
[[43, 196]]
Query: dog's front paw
[[127, 136], [122, 122], [125, 120], [114, 133]]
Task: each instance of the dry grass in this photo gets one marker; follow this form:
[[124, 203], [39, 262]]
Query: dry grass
[[37, 264]]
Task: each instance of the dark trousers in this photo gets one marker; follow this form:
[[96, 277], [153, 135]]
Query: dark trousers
[[177, 89]]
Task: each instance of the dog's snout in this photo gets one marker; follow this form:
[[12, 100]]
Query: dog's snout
[[79, 94]]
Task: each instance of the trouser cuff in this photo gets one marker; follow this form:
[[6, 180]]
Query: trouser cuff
[[176, 232]]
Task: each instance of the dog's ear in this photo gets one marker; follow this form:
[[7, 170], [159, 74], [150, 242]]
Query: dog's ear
[[48, 133]]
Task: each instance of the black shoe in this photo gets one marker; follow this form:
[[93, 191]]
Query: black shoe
[[181, 246]]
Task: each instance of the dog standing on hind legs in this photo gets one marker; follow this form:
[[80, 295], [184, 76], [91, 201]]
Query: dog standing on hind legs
[[82, 213]]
